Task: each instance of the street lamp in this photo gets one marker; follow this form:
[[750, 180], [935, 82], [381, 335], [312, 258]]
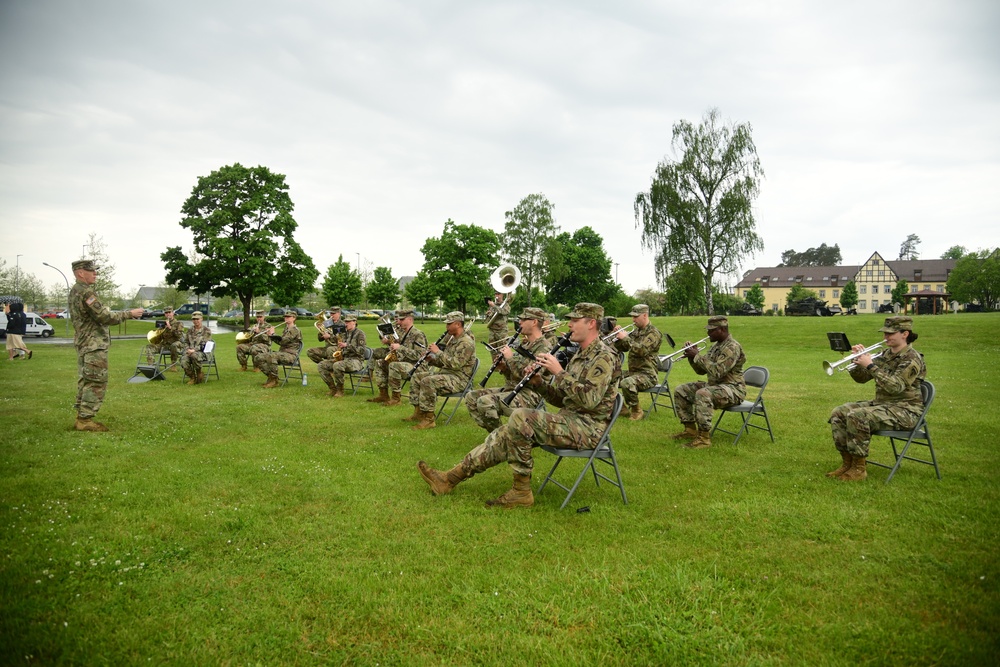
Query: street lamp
[[616, 271], [17, 274], [67, 294]]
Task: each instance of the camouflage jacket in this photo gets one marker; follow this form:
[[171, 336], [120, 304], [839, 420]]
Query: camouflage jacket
[[897, 377], [456, 358], [259, 332], [291, 341], [91, 319], [173, 332], [723, 363], [357, 343], [412, 345], [195, 339], [501, 312], [643, 346], [518, 363], [588, 385]]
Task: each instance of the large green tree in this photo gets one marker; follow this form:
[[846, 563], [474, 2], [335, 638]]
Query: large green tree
[[954, 252], [849, 295], [755, 296], [459, 263], [684, 290], [580, 269], [527, 233], [241, 219], [976, 277], [342, 285], [824, 255], [383, 290], [908, 248], [798, 292], [699, 208], [421, 292], [900, 291]]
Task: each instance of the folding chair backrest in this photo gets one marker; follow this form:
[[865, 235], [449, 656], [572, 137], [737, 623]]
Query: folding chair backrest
[[756, 376], [665, 364]]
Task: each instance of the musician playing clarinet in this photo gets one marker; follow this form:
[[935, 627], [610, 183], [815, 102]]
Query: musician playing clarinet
[[897, 405], [446, 370], [485, 405], [584, 391]]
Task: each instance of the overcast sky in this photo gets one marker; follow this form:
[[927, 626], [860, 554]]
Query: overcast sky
[[873, 120]]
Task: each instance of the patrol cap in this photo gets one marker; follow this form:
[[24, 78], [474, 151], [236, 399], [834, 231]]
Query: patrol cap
[[168, 309], [717, 322], [196, 315], [350, 318], [532, 314], [400, 314], [454, 316], [290, 313], [85, 265], [591, 311], [260, 313], [639, 309], [334, 309], [897, 324]]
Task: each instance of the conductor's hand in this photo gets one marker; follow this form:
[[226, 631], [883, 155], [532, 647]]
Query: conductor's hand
[[136, 313]]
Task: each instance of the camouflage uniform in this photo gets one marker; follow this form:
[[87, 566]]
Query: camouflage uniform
[[723, 363], [443, 373], [330, 347], [585, 393], [412, 346], [287, 354], [332, 371], [498, 329], [485, 406], [92, 339], [246, 348], [173, 339], [643, 347], [379, 366], [897, 403], [194, 339]]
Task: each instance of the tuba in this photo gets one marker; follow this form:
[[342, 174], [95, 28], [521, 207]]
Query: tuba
[[505, 280]]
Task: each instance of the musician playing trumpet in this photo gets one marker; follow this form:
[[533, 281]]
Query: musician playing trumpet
[[352, 348], [289, 346], [327, 335], [643, 346], [246, 348], [695, 401], [897, 373], [485, 405], [446, 370]]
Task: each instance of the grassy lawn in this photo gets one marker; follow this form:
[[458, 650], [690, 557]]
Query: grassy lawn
[[227, 524]]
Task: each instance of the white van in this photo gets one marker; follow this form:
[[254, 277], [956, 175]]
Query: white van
[[33, 325]]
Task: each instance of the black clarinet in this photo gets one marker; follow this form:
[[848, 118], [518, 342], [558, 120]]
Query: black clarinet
[[496, 362], [562, 341], [424, 356]]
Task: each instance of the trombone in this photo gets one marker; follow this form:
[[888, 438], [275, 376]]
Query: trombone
[[849, 359], [679, 353]]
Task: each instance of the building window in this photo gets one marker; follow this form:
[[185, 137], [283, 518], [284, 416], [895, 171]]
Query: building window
[[836, 293], [887, 289], [869, 273], [913, 288], [774, 307], [862, 289], [822, 293], [927, 288], [745, 292], [940, 288], [862, 305], [874, 289], [874, 304]]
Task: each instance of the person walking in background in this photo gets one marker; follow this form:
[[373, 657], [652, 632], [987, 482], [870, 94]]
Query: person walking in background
[[16, 328], [92, 339]]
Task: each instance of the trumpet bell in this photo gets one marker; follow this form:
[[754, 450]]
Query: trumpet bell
[[506, 278]]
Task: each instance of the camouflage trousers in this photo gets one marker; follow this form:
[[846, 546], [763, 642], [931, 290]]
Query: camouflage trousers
[[695, 402], [268, 363], [379, 368], [631, 385], [332, 371], [526, 429], [853, 423], [485, 406], [92, 383], [319, 354], [398, 370], [191, 363], [425, 387], [243, 350]]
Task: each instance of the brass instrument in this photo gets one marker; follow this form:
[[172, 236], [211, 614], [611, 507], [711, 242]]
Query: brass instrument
[[247, 336], [849, 359], [505, 280], [387, 330], [614, 333], [155, 336], [679, 353]]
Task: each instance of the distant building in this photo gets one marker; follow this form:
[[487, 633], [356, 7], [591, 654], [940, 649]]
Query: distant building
[[875, 280]]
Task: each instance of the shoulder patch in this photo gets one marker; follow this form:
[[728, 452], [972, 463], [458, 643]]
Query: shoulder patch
[[91, 299]]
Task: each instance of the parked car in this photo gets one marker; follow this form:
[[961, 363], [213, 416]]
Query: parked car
[[234, 314], [189, 308], [51, 315], [156, 312], [62, 314], [34, 325]]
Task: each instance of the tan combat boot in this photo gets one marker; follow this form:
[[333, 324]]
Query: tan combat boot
[[843, 468], [256, 370], [201, 377], [636, 413], [192, 379], [442, 482], [702, 441], [272, 382], [417, 415], [383, 396], [519, 495], [393, 400], [689, 432], [426, 421], [88, 424], [858, 470], [243, 368], [338, 391]]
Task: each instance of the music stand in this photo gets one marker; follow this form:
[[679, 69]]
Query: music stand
[[839, 342]]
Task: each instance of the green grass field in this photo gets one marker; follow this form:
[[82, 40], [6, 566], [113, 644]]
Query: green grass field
[[227, 524]]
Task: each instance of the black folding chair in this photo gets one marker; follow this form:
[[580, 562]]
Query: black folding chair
[[755, 376], [919, 435], [294, 370], [363, 374], [459, 395], [664, 365]]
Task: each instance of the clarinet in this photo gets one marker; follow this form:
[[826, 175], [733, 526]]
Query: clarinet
[[496, 362], [425, 355], [563, 341]]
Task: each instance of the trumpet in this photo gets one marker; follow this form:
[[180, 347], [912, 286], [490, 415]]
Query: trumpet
[[614, 333], [679, 353], [849, 359]]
